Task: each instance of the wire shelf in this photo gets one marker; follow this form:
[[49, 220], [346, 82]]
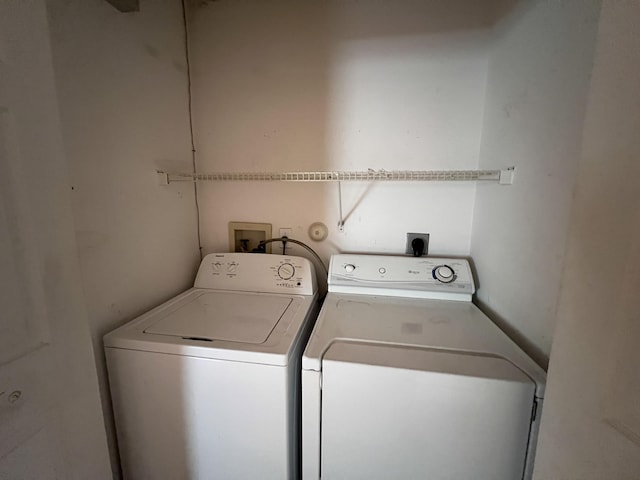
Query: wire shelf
[[500, 176]]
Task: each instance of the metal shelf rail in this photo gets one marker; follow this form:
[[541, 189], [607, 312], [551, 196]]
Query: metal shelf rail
[[502, 177]]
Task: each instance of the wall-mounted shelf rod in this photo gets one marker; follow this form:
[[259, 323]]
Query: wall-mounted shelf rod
[[503, 177]]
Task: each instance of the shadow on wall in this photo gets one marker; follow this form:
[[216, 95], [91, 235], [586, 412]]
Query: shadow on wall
[[523, 342], [260, 84], [512, 331]]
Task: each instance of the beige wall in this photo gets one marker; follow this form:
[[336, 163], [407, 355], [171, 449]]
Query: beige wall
[[538, 79], [296, 86], [591, 419], [50, 417], [122, 88]]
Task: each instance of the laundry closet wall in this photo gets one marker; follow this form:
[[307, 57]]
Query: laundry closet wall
[[294, 86], [51, 424], [591, 418], [122, 90], [538, 80]]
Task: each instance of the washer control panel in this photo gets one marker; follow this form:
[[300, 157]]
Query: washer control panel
[[257, 272], [421, 277]]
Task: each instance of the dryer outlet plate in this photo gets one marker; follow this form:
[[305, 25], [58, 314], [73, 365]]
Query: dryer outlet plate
[[411, 237]]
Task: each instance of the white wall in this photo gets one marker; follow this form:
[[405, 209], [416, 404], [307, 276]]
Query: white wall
[[538, 79], [591, 419], [50, 417], [296, 86], [122, 88]]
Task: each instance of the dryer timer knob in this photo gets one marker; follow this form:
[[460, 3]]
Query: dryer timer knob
[[444, 274], [349, 268]]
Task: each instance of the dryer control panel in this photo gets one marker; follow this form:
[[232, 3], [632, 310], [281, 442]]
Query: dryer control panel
[[257, 272], [419, 277]]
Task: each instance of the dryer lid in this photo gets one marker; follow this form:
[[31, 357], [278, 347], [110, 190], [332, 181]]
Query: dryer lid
[[413, 322], [231, 317]]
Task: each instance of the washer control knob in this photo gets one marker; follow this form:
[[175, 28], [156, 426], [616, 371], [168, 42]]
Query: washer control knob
[[286, 271], [232, 268], [349, 268], [444, 274]]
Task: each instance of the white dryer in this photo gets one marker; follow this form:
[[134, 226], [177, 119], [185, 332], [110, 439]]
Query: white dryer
[[403, 377], [207, 385]]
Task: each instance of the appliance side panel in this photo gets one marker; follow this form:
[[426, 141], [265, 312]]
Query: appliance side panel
[[311, 407], [189, 417], [151, 440], [294, 394], [533, 440]]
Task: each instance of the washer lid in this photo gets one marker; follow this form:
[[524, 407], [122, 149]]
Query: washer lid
[[238, 317]]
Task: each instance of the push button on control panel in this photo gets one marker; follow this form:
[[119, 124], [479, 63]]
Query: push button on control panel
[[349, 268]]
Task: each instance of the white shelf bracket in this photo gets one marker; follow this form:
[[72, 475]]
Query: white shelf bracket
[[506, 176], [163, 178], [341, 221]]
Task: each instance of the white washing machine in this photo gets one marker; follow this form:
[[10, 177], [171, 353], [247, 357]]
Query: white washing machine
[[403, 377], [207, 385]]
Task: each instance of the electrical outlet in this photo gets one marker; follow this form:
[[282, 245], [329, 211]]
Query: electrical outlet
[[411, 237], [286, 232]]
